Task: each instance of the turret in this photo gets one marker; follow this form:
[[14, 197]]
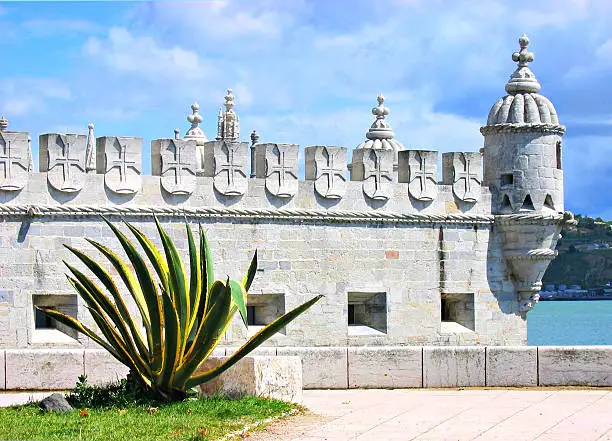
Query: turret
[[522, 146]]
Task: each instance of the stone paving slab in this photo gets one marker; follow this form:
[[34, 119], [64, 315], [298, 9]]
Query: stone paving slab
[[452, 414]]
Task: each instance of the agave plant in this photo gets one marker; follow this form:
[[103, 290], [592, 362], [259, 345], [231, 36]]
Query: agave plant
[[183, 316]]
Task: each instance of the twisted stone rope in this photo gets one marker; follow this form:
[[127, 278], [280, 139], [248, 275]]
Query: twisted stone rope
[[535, 218], [517, 128], [226, 213]]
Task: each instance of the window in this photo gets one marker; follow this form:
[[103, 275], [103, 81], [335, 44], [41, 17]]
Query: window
[[507, 179], [548, 202], [263, 309], [457, 313], [367, 312], [558, 155], [47, 330], [528, 204]]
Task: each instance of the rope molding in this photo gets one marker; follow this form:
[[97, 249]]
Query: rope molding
[[226, 213], [525, 127]]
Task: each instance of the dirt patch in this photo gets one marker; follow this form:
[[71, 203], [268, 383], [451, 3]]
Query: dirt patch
[[290, 428]]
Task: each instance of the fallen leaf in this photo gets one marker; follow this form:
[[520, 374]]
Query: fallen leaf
[[188, 411], [19, 409], [345, 402], [152, 410], [121, 411], [84, 413], [202, 431]]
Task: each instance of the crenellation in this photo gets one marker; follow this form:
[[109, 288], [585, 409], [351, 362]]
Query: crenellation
[[119, 159]]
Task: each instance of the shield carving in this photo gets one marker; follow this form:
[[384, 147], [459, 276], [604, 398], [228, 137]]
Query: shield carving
[[65, 165], [330, 174], [377, 173], [14, 160], [229, 168], [467, 176], [122, 170], [423, 167], [282, 169], [178, 165]]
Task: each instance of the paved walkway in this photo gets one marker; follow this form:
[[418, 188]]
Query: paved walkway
[[471, 414], [437, 414]]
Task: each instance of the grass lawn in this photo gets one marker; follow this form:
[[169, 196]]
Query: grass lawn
[[204, 419]]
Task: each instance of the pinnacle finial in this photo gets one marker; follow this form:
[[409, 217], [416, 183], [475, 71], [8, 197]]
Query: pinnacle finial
[[523, 79], [3, 124], [229, 100], [380, 111], [177, 134], [254, 137], [195, 118], [380, 128], [523, 56]]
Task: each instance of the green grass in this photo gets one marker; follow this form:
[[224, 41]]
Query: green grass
[[203, 419]]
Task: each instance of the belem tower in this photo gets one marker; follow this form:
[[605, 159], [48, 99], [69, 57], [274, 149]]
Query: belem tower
[[405, 253]]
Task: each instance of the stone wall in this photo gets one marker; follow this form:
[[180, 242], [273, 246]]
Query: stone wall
[[351, 367]]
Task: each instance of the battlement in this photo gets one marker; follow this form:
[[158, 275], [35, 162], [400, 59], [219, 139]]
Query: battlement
[[72, 175]]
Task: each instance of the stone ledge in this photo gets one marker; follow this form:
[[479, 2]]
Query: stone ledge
[[102, 368], [448, 366], [323, 367], [385, 367], [48, 369], [2, 370], [511, 366], [262, 376], [575, 365]]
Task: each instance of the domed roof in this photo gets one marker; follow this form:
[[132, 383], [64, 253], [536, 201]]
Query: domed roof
[[380, 136], [523, 105], [523, 108]]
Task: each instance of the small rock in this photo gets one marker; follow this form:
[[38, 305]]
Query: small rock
[[55, 403]]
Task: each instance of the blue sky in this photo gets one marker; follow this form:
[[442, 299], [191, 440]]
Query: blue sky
[[308, 72]]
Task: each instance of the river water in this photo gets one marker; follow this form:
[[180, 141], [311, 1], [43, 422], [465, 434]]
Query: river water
[[570, 323]]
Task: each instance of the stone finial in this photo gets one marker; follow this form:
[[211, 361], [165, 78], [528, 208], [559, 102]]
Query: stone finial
[[195, 132], [380, 128], [523, 79], [228, 126], [177, 134], [90, 150], [3, 124], [380, 136], [254, 137]]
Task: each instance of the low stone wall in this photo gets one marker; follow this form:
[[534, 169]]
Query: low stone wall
[[351, 367]]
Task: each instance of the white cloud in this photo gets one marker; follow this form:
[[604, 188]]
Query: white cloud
[[19, 96], [46, 26], [122, 51]]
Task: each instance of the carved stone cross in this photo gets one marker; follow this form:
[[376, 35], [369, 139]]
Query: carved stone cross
[[420, 169], [277, 163], [14, 160], [229, 167], [377, 175], [122, 162], [326, 165], [466, 174], [174, 160]]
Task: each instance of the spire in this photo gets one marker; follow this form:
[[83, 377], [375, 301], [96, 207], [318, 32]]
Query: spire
[[30, 157], [90, 157], [195, 132], [523, 79], [228, 127], [3, 124], [380, 128]]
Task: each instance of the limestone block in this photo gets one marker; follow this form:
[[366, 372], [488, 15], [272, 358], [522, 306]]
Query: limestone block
[[226, 162], [463, 170], [269, 377], [375, 168], [120, 160], [512, 366], [174, 160], [420, 169], [575, 366], [453, 366], [323, 367], [380, 367], [102, 368], [2, 371], [63, 158], [43, 369], [278, 165], [15, 160], [326, 165]]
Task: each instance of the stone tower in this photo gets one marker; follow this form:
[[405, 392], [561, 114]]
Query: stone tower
[[522, 168], [522, 147]]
